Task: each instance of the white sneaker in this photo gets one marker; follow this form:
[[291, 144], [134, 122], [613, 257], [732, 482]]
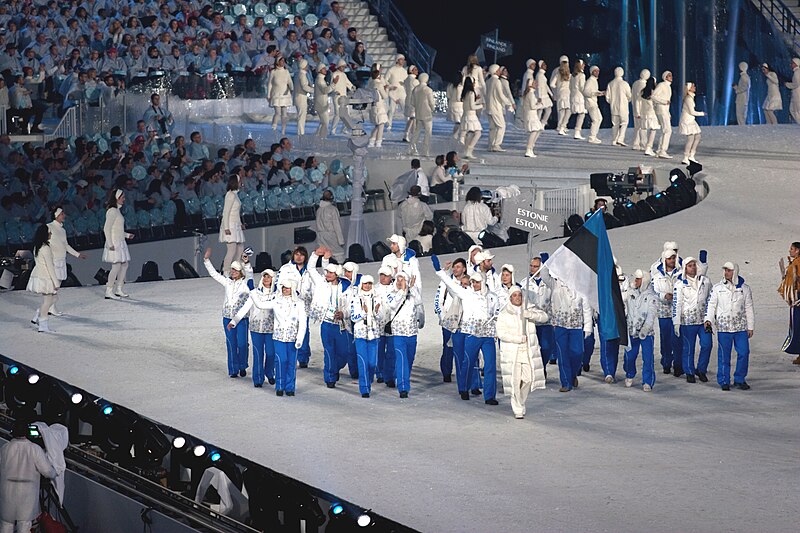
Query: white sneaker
[[646, 387], [664, 155], [636, 147], [609, 379], [595, 141], [519, 417], [562, 132], [530, 153], [110, 294], [579, 137], [693, 159], [650, 153], [629, 382], [685, 161], [499, 149], [620, 143]]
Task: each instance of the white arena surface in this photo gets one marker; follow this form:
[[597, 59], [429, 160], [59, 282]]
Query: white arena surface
[[685, 457]]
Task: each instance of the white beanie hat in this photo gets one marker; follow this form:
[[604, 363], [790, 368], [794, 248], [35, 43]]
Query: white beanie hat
[[423, 78], [494, 67], [664, 75], [670, 245], [593, 68], [540, 63], [743, 66], [236, 265], [638, 274], [400, 240], [367, 279], [619, 72], [530, 62], [644, 74], [563, 59]]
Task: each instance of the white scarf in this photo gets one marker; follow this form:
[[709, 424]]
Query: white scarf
[[368, 300]]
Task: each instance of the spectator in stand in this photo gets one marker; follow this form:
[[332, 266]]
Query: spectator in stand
[[476, 215]]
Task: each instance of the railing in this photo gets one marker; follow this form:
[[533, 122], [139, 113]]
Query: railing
[[563, 202], [68, 127], [3, 115], [784, 19], [400, 30]]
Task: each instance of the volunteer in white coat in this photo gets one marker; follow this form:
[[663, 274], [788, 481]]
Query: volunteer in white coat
[[322, 91], [591, 91], [662, 97], [115, 250], [742, 90], [279, 93], [730, 309], [413, 212], [395, 77], [531, 104], [236, 296], [520, 358], [529, 75], [641, 311], [329, 226], [377, 113], [639, 133], [473, 70], [231, 229], [470, 124], [577, 102], [794, 86], [476, 215], [43, 279], [22, 464], [560, 82], [60, 248], [302, 88], [424, 105], [688, 124], [455, 108], [618, 96], [544, 94], [409, 84], [692, 290]]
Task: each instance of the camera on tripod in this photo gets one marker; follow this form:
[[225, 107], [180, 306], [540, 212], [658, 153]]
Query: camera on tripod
[[621, 186]]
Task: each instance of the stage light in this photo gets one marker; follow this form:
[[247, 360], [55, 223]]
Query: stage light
[[337, 509], [199, 450], [13, 370], [23, 390], [76, 398], [215, 456], [33, 379], [364, 520], [150, 445], [178, 443], [107, 410]]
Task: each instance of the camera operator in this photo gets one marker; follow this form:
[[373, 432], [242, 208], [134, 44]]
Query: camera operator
[[22, 462], [158, 119]]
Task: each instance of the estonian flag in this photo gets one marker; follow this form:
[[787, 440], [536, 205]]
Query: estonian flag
[[586, 265]]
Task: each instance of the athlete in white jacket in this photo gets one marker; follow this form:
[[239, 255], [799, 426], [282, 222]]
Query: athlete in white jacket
[[591, 91], [447, 307], [572, 321], [730, 308], [537, 294], [261, 323], [690, 299], [639, 140], [368, 316], [641, 310], [664, 277], [401, 316], [662, 98]]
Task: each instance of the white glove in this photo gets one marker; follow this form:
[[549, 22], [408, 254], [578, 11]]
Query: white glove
[[642, 335], [587, 334], [298, 345], [677, 330]]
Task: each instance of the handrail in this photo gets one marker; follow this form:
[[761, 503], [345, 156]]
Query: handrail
[[782, 17], [67, 127], [402, 34], [3, 115]]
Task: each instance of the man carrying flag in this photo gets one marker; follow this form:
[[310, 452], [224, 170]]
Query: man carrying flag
[[584, 266]]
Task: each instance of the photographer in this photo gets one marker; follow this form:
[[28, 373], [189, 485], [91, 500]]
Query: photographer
[[21, 464], [158, 119]]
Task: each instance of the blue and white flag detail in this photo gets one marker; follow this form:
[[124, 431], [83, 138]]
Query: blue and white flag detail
[[585, 264]]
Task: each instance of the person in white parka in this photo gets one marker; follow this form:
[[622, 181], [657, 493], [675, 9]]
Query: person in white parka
[[329, 226], [688, 125], [641, 312], [378, 113], [424, 105], [22, 463], [639, 133], [496, 104], [395, 77], [742, 90], [618, 96], [321, 102], [648, 121], [591, 91], [520, 358], [302, 88], [60, 248], [279, 93], [43, 278], [231, 228], [115, 250], [544, 94], [662, 98], [470, 124], [455, 107], [773, 102], [559, 82], [531, 104], [409, 84], [577, 102], [794, 86]]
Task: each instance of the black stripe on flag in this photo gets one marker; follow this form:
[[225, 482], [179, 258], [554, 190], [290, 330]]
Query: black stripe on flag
[[583, 243]]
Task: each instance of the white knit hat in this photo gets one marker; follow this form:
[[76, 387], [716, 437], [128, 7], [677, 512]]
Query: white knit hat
[[563, 59], [743, 66], [236, 265], [367, 279], [530, 62]]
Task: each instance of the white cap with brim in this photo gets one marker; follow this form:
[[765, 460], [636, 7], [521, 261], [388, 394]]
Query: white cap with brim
[[330, 267], [236, 265], [385, 271], [367, 279], [638, 274], [563, 59], [476, 276], [350, 266], [729, 266]]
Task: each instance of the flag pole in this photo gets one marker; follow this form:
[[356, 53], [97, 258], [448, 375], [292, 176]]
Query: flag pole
[[496, 39]]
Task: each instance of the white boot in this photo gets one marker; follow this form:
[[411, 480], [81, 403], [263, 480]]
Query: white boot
[[43, 327], [110, 294], [529, 153], [55, 312], [118, 291], [35, 319], [685, 160]]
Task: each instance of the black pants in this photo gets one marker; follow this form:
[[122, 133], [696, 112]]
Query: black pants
[[445, 190]]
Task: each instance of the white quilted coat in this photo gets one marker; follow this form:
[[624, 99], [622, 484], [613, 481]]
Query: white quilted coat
[[512, 348]]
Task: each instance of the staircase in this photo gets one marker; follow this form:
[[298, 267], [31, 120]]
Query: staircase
[[370, 32], [785, 19]]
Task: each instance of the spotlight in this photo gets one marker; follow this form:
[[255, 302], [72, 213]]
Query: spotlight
[[63, 405], [364, 520], [13, 370], [660, 204], [107, 410], [33, 379], [23, 391], [112, 429], [215, 456], [150, 445], [178, 442], [76, 398], [626, 213], [337, 509], [199, 450]]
